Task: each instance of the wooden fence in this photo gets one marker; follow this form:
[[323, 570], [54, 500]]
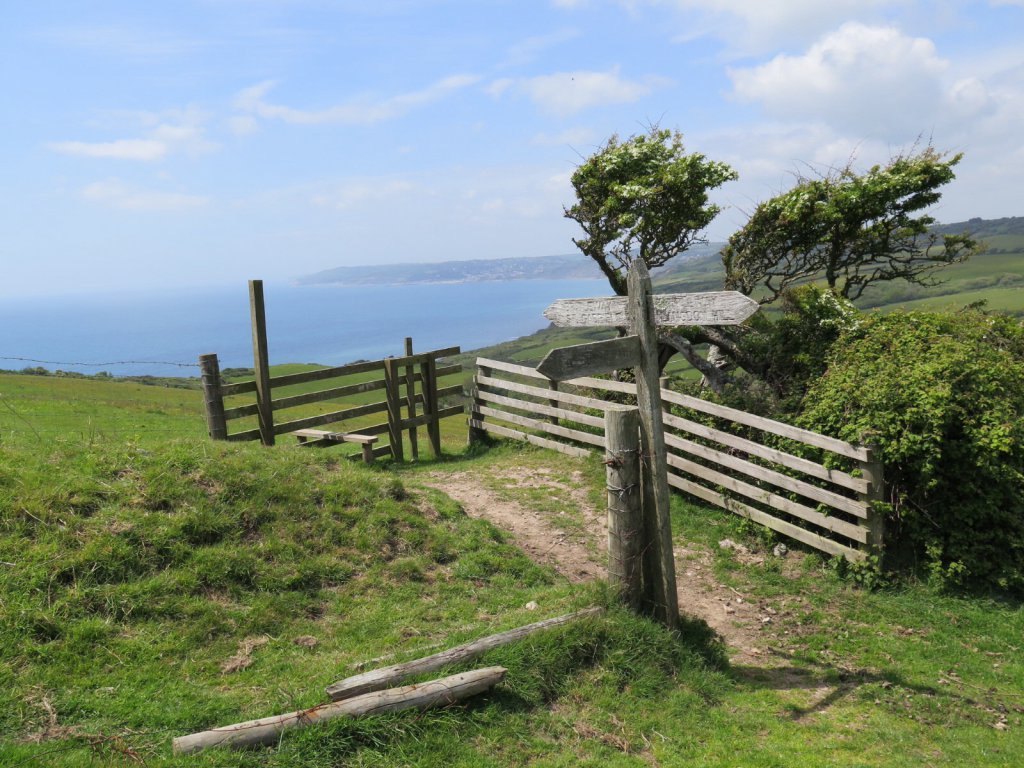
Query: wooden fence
[[408, 382], [743, 463]]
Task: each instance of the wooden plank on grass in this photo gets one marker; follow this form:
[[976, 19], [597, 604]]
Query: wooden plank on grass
[[386, 677], [773, 500], [744, 510], [543, 442]]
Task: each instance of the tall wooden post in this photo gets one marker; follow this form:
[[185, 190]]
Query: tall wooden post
[[410, 398], [625, 517], [261, 361], [659, 559], [871, 470], [216, 424], [428, 377], [642, 312], [391, 381]]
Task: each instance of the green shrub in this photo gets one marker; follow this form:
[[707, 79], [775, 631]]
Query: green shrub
[[943, 395]]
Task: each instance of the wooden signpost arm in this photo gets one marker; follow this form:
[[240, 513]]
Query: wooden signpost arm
[[659, 560]]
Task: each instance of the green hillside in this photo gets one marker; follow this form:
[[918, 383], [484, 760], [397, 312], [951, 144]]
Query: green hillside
[[154, 583]]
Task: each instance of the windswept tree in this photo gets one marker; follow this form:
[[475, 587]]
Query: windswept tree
[[645, 198], [845, 229], [849, 230]]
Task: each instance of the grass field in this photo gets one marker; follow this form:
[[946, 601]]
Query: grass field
[[153, 583]]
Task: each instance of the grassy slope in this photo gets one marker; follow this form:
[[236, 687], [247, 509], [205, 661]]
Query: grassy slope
[[133, 568], [137, 561]]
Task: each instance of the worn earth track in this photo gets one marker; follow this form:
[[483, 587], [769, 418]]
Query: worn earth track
[[575, 544]]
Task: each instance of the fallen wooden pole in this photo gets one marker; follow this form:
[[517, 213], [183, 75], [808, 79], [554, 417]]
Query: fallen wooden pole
[[379, 679], [268, 730]]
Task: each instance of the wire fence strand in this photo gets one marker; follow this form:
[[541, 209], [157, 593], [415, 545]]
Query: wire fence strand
[[102, 365]]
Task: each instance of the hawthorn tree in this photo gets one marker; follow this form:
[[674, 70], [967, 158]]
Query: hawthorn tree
[[645, 198], [849, 230]]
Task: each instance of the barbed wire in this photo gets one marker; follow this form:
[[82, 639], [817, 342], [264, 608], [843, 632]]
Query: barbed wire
[[101, 365]]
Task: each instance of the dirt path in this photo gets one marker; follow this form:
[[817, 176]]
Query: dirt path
[[575, 544]]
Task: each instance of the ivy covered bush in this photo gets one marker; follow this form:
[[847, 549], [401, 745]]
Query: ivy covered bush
[[943, 396]]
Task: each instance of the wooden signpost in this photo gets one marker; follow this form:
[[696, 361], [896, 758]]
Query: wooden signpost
[[641, 312]]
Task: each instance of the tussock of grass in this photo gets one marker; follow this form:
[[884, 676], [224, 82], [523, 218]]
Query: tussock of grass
[[150, 592]]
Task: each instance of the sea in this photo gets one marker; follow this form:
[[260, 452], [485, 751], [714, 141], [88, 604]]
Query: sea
[[162, 333]]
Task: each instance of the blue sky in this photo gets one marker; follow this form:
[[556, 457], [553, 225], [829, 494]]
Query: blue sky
[[158, 144]]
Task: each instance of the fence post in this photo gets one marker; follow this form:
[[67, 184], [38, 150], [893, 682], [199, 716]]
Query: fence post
[[871, 470], [261, 361], [216, 424], [625, 519], [410, 398], [476, 434], [391, 379], [428, 380], [553, 385]]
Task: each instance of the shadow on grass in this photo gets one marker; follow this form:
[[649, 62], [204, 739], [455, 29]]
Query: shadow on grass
[[832, 684]]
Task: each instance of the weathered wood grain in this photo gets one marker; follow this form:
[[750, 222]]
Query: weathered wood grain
[[261, 361], [587, 359], [544, 410], [781, 458], [546, 394], [543, 442], [779, 480], [379, 679], [216, 419], [744, 510], [268, 730], [666, 309], [625, 517], [768, 498], [542, 426], [658, 562]]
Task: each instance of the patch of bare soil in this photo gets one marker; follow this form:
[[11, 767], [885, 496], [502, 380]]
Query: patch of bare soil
[[578, 552]]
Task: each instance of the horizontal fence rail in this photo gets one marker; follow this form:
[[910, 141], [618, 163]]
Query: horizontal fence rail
[[780, 476]]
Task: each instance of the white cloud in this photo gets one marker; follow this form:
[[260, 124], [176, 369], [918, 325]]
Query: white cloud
[[121, 149], [117, 194], [564, 94], [177, 130], [243, 125], [358, 112], [760, 24], [869, 80]]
